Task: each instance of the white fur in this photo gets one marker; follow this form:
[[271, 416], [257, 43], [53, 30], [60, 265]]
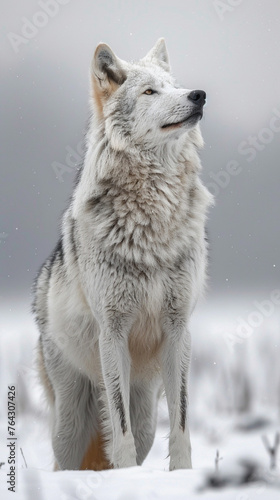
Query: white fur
[[113, 304]]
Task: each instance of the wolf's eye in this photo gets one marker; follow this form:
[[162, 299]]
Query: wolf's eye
[[149, 92]]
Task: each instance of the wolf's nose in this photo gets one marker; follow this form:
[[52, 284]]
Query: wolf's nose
[[197, 96]]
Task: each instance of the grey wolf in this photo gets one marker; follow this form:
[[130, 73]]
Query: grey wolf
[[114, 299]]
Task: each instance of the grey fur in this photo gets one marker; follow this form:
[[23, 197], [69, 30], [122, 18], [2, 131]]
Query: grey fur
[[114, 300]]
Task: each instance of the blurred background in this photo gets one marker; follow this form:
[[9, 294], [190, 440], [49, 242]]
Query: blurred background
[[229, 48]]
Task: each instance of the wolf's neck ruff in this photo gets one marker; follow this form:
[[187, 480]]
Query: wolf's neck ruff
[[143, 207]]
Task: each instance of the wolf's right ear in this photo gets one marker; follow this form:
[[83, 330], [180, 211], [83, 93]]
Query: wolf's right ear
[[107, 69]]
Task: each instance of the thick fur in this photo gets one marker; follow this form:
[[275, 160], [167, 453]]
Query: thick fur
[[114, 300]]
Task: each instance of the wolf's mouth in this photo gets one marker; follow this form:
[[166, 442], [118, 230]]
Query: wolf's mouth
[[197, 115]]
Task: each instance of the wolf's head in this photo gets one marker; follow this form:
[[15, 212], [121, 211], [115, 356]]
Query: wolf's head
[[140, 103]]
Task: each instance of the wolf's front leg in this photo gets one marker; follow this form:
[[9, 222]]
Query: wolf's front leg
[[175, 364], [115, 362]]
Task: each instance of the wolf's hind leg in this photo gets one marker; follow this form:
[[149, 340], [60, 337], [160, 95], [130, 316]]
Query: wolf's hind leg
[[75, 421], [74, 410]]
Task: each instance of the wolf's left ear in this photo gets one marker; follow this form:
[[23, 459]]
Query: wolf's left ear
[[107, 68], [159, 55]]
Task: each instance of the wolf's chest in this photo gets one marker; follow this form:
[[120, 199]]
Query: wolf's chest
[[143, 226]]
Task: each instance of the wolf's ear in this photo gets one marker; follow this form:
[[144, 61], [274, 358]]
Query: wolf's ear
[[107, 69], [159, 55]]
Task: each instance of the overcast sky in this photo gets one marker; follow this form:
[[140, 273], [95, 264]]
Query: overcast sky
[[228, 48]]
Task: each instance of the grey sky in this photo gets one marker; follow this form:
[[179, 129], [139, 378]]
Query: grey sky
[[232, 54]]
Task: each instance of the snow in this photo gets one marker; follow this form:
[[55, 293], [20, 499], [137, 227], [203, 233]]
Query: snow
[[234, 401]]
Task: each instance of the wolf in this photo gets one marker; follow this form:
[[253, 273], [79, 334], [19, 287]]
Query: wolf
[[114, 299]]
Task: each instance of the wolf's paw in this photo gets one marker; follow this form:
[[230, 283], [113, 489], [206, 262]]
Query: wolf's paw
[[123, 461], [180, 463], [122, 464], [180, 451], [124, 455]]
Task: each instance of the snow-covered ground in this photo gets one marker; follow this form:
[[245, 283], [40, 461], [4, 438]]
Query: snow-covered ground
[[234, 401]]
